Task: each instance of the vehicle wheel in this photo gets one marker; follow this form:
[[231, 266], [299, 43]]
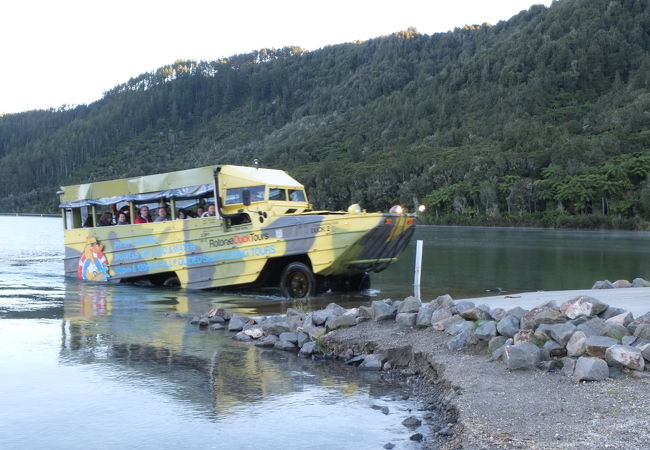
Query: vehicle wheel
[[172, 282], [360, 282], [297, 281]]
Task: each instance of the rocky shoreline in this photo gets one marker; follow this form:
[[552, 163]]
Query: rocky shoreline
[[489, 378]]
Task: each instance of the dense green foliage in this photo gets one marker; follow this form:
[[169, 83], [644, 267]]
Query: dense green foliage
[[542, 119]]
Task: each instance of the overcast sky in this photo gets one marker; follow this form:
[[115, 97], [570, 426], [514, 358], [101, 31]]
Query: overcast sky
[[57, 52]]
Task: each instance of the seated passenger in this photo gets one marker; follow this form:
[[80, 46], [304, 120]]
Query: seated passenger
[[144, 216], [200, 211], [181, 214], [122, 220], [88, 223], [162, 215], [211, 212], [105, 220]]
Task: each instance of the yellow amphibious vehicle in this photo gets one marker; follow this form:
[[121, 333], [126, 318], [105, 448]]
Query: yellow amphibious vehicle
[[264, 232]]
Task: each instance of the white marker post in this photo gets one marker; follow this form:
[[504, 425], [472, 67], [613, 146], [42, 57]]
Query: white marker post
[[418, 269]]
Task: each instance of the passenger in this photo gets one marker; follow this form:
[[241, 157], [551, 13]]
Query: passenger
[[200, 211], [88, 223], [144, 216], [211, 212], [162, 215], [181, 214], [122, 219], [105, 220]]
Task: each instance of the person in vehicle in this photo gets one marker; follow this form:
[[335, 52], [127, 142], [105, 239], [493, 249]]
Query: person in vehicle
[[200, 211], [105, 220], [121, 219], [143, 216], [162, 215], [181, 215], [211, 212]]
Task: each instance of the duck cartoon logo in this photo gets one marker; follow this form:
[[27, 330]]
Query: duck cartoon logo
[[92, 264]]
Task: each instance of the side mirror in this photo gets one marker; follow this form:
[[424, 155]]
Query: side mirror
[[246, 197]]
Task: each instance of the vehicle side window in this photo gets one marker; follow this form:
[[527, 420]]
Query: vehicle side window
[[296, 195], [277, 194], [235, 195]]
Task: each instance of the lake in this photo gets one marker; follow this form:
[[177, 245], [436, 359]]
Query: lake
[[104, 366]]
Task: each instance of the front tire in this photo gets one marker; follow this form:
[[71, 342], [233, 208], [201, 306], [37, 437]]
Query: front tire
[[297, 281]]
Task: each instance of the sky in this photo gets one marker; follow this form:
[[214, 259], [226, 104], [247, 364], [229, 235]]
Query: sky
[[69, 52]]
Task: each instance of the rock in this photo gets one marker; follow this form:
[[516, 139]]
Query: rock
[[417, 437], [308, 327], [590, 369], [561, 332], [372, 362], [308, 348], [335, 309], [382, 310], [389, 445], [598, 345], [623, 319], [622, 284], [406, 319], [242, 337], [610, 312], [442, 325], [459, 327], [582, 306], [497, 313], [577, 344], [254, 333], [637, 322], [294, 322], [604, 284], [554, 349], [365, 314], [568, 366], [640, 282], [539, 315], [399, 355], [345, 320], [293, 312], [542, 332], [498, 353], [409, 305], [441, 314], [204, 322], [508, 326], [645, 351], [289, 336], [424, 316], [284, 345], [551, 365], [522, 356], [219, 312], [217, 326], [614, 331], [517, 311], [412, 422], [625, 356], [460, 340], [592, 327], [302, 338], [475, 314], [216, 319], [523, 336], [496, 342], [464, 306], [236, 323], [614, 372], [444, 431], [628, 340], [267, 341], [356, 360], [320, 316], [384, 410], [642, 331], [444, 301], [276, 328], [486, 330]]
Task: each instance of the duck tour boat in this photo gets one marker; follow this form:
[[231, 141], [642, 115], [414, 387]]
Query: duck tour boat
[[258, 229]]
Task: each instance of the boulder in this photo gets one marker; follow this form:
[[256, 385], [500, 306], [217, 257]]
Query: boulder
[[242, 337], [291, 312], [640, 282], [523, 336], [372, 362], [496, 342], [412, 422], [614, 331], [284, 345], [542, 332], [289, 337], [236, 323], [440, 314], [645, 351], [598, 345], [444, 301], [610, 312], [309, 328], [267, 341], [508, 326], [637, 322], [216, 319], [294, 322], [424, 316], [603, 284], [622, 284], [475, 314], [628, 340], [276, 328], [204, 322], [302, 338], [582, 306], [464, 305], [642, 331], [521, 356], [517, 311], [497, 313], [592, 327], [406, 319], [442, 325], [568, 366], [320, 316], [365, 314], [625, 356], [460, 340], [254, 333], [561, 332], [219, 312], [554, 349], [345, 320], [486, 330], [540, 315], [308, 348], [382, 310], [217, 326], [409, 305], [459, 327], [577, 344], [590, 369], [335, 309], [622, 319], [399, 356]]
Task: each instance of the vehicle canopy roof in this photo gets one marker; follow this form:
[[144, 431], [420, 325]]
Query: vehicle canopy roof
[[181, 184]]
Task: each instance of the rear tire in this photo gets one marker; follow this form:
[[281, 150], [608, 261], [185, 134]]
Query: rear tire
[[297, 281], [172, 282]]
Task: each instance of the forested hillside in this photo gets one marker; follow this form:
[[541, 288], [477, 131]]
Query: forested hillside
[[541, 119]]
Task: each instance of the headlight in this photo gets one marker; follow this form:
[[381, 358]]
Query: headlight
[[421, 208], [396, 209], [354, 209]]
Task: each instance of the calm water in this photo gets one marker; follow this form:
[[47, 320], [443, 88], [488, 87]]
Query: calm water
[[103, 366]]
